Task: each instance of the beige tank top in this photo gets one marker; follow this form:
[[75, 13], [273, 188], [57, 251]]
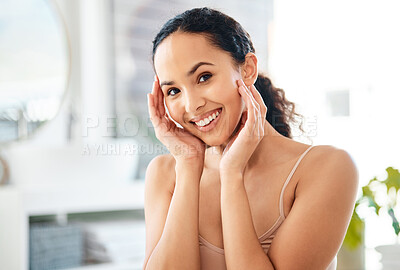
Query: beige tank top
[[213, 258]]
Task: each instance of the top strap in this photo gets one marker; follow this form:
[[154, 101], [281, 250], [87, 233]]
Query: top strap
[[288, 179]]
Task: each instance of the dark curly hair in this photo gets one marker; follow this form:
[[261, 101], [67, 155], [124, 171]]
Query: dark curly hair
[[227, 34]]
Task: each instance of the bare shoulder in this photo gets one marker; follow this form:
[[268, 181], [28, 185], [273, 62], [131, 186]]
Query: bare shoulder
[[161, 172], [325, 157], [326, 162], [315, 227]]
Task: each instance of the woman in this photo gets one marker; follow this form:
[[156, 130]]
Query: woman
[[235, 192]]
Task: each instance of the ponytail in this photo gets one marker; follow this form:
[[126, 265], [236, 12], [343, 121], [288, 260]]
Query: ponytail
[[280, 111]]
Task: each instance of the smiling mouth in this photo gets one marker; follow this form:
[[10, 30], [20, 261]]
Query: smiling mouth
[[207, 120], [208, 123]]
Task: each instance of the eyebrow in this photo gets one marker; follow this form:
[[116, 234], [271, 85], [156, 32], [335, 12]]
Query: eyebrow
[[190, 72], [195, 67]]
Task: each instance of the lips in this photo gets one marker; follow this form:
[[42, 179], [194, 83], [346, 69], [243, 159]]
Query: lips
[[204, 116], [207, 120], [205, 124]]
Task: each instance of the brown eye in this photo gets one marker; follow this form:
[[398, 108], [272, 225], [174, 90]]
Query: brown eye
[[171, 92], [204, 77]]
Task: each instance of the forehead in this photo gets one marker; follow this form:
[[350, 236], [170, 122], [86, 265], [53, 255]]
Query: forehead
[[180, 51]]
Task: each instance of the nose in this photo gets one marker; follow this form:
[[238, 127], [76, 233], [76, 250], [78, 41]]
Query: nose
[[193, 101]]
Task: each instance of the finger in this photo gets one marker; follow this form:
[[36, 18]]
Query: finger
[[157, 93], [247, 94], [160, 123], [244, 117], [259, 99], [251, 111], [154, 85], [263, 109], [154, 92], [250, 104], [160, 98], [243, 121], [162, 106], [256, 118], [255, 104], [154, 118]]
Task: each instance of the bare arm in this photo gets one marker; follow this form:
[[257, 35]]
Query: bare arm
[[172, 240], [314, 229], [242, 248], [172, 214]]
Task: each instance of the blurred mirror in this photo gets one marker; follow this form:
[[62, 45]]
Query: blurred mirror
[[34, 66]]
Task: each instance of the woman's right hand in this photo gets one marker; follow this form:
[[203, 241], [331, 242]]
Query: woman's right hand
[[184, 146]]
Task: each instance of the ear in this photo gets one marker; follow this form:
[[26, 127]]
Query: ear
[[249, 69]]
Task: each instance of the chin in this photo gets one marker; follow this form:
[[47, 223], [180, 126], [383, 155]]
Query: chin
[[220, 135], [214, 140], [212, 143]]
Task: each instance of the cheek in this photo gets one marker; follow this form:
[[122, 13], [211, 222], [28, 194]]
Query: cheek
[[232, 101], [172, 110], [232, 98], [176, 112], [226, 89]]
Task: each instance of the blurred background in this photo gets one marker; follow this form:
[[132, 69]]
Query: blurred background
[[75, 136]]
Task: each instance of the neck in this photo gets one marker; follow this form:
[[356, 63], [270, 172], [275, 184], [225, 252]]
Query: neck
[[268, 146]]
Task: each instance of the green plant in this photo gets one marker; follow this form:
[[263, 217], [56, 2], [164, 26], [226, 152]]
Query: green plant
[[388, 192]]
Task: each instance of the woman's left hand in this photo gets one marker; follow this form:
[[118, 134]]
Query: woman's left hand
[[251, 131]]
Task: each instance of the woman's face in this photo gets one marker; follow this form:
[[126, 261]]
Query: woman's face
[[198, 81]]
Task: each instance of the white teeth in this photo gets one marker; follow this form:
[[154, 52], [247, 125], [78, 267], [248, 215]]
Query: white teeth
[[207, 120]]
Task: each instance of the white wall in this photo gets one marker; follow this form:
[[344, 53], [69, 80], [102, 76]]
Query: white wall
[[320, 46]]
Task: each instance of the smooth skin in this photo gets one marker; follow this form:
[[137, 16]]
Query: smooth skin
[[228, 193]]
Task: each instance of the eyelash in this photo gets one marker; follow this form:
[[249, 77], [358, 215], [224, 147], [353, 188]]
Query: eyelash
[[204, 75], [208, 75]]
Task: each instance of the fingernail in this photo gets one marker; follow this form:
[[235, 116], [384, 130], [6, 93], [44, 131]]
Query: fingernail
[[241, 82]]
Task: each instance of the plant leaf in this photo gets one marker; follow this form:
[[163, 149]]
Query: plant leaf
[[354, 233], [370, 196], [395, 222], [393, 179]]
